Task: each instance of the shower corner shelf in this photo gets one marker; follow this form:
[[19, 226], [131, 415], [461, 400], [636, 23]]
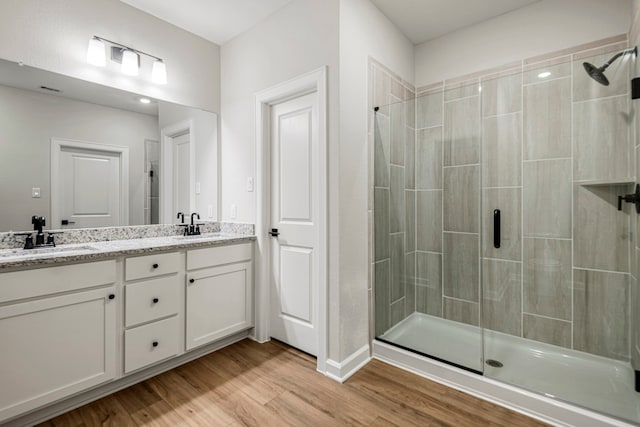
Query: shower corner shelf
[[605, 182]]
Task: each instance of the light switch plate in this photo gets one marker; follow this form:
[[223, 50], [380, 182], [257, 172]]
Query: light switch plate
[[197, 188], [250, 184], [234, 211], [35, 192]]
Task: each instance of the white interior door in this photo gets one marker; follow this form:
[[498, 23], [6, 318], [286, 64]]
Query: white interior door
[[294, 213], [89, 188], [181, 174]]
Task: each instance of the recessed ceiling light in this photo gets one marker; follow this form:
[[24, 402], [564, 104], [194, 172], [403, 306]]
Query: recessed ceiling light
[[544, 75], [145, 100]]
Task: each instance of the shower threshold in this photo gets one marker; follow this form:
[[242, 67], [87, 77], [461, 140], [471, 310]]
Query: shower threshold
[[597, 383]]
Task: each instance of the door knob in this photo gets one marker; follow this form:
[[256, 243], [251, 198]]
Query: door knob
[[274, 232]]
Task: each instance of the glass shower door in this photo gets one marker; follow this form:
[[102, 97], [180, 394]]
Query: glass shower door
[[427, 225], [558, 258]]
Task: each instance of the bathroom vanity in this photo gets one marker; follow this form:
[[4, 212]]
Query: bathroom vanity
[[80, 321]]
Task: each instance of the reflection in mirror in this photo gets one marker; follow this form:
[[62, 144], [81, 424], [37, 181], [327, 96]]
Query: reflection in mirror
[[86, 155]]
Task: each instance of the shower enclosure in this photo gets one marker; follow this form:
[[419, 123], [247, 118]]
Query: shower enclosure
[[499, 246]]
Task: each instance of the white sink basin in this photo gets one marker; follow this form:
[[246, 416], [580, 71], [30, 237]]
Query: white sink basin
[[11, 253], [199, 237]]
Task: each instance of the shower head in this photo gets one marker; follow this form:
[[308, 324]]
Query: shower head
[[597, 73]]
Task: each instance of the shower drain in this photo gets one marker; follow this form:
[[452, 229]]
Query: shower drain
[[494, 363]]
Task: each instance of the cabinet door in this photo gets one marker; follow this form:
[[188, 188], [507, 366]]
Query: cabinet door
[[54, 347], [219, 303]]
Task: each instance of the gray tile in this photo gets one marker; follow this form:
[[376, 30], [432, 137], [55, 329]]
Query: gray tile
[[397, 89], [429, 159], [397, 266], [544, 329], [584, 87], [547, 120], [410, 159], [382, 283], [429, 283], [410, 108], [410, 221], [557, 67], [461, 199], [429, 110], [508, 201], [462, 311], [397, 312], [381, 87], [601, 232], [429, 221], [396, 200], [398, 133], [410, 283], [381, 223], [502, 151], [547, 277], [600, 304], [501, 296], [381, 151], [461, 90], [461, 265], [502, 95], [462, 132], [600, 139], [547, 198]]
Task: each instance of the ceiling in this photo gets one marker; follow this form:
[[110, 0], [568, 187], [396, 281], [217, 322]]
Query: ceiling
[[215, 20], [422, 20]]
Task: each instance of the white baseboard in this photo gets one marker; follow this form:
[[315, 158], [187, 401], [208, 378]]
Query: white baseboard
[[525, 402], [341, 371]]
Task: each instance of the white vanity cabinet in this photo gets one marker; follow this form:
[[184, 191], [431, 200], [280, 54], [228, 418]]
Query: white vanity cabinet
[[57, 333], [152, 309], [219, 293]]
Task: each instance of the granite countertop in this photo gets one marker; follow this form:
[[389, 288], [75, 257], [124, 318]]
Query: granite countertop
[[21, 258]]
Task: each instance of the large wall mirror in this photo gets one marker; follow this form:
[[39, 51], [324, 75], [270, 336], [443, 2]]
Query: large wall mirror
[[86, 155]]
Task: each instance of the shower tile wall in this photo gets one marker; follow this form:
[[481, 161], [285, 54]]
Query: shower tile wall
[[527, 146], [393, 213]]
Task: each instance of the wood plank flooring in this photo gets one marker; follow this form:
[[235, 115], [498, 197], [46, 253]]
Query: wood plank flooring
[[251, 384]]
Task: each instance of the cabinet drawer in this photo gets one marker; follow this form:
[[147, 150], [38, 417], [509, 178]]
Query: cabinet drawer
[[151, 299], [209, 257], [139, 348], [152, 265], [46, 281]]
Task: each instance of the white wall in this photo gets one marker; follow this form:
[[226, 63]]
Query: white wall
[[205, 144], [364, 32], [542, 27], [300, 37], [30, 119], [54, 34]]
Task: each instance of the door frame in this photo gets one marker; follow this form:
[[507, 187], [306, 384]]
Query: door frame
[[167, 134], [57, 144], [314, 81]]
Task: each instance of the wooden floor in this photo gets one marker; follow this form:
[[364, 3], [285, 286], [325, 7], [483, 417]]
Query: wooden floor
[[274, 385]]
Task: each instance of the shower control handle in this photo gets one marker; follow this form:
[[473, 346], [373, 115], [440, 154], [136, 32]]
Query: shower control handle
[[496, 228], [631, 198]]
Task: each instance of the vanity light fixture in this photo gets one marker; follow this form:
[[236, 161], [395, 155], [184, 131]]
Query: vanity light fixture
[[95, 53], [145, 100], [544, 74], [127, 56]]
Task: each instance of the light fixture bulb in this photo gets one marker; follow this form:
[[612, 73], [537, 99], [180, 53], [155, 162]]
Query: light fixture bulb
[[95, 53], [130, 63], [159, 72]]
